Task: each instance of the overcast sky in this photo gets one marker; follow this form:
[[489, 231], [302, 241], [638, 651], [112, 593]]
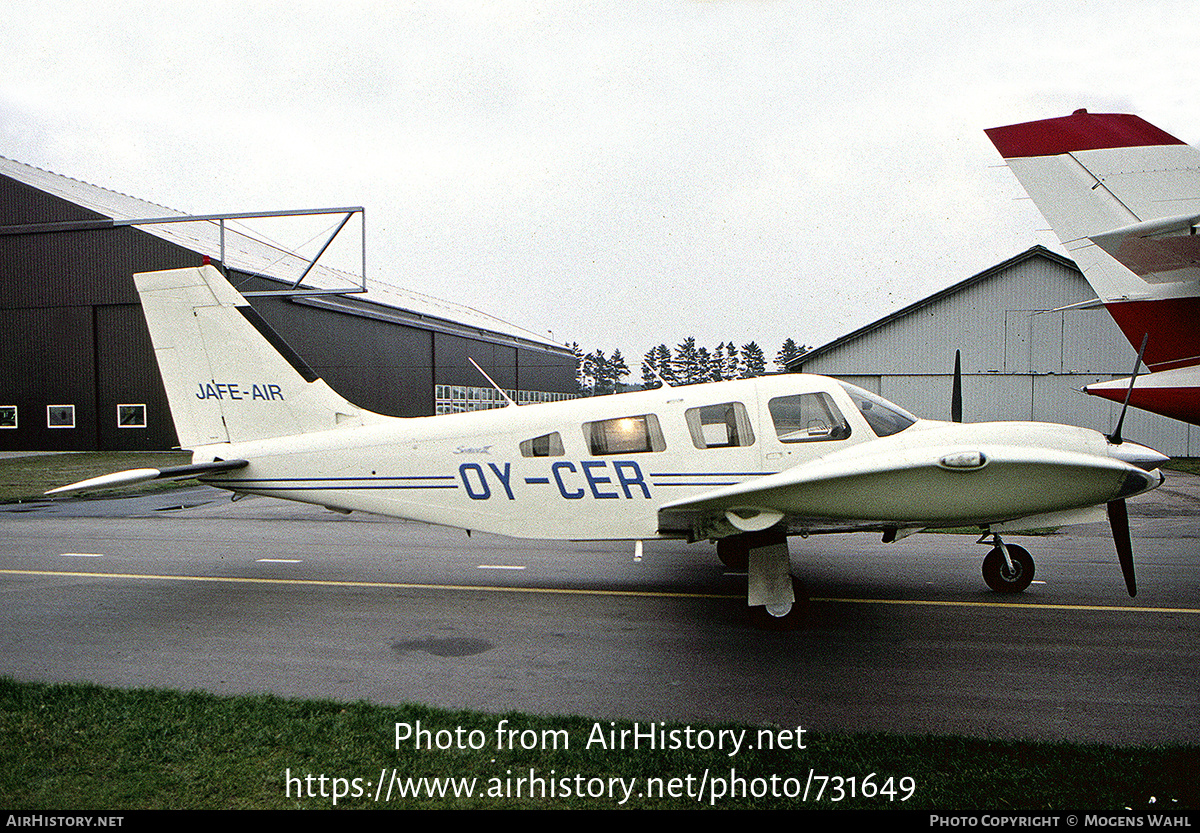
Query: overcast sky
[[619, 173]]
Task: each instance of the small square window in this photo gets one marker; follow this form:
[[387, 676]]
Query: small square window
[[131, 416], [8, 416], [60, 416], [720, 426], [547, 445]]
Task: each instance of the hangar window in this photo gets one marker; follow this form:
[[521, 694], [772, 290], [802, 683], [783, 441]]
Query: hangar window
[[624, 435], [60, 416], [8, 416], [807, 417], [548, 445], [131, 416], [720, 426]]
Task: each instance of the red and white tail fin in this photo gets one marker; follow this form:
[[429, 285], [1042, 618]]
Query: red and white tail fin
[[1123, 196]]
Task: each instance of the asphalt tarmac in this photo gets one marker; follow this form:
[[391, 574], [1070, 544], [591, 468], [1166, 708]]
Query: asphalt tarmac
[[186, 590]]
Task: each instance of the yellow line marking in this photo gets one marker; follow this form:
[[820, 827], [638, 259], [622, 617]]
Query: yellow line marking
[[385, 585]]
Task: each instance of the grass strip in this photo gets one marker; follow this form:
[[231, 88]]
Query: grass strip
[[24, 479], [85, 747]]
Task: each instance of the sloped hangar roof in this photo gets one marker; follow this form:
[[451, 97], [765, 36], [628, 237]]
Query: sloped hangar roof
[[798, 363], [252, 255]]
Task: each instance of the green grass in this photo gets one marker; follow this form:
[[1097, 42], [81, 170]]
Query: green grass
[[1188, 465], [28, 478], [84, 747]]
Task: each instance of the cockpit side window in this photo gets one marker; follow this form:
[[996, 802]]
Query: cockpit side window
[[885, 418], [547, 445], [719, 426], [624, 435], [807, 417]]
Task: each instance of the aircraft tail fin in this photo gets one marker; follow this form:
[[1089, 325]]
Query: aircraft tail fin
[[227, 374], [1114, 181], [1123, 196]]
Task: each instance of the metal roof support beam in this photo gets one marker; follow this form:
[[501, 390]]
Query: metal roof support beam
[[106, 223]]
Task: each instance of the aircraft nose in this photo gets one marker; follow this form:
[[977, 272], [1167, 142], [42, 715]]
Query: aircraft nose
[[1137, 455]]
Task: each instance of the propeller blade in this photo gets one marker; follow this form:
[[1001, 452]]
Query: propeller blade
[[1115, 436], [956, 393], [1118, 519]]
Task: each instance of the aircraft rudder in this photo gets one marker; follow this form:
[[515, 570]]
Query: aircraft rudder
[[229, 376]]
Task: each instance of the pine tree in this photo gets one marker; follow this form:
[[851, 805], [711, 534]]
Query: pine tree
[[703, 365], [665, 366], [687, 362], [729, 363], [789, 352], [753, 362], [600, 373], [617, 370], [649, 368]]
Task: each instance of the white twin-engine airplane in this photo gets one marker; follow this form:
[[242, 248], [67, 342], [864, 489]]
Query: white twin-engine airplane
[[745, 463]]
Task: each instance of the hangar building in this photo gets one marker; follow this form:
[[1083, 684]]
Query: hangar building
[[1024, 357], [77, 371]]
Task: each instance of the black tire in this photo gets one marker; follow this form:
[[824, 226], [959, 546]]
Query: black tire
[[1000, 578], [734, 553], [761, 620]]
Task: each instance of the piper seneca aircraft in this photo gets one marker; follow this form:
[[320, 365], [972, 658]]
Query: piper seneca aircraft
[[744, 463]]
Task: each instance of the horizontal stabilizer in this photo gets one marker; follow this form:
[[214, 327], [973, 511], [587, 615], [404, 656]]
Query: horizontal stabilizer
[[134, 476]]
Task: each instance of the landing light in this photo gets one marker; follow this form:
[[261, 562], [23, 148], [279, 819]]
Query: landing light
[[964, 460]]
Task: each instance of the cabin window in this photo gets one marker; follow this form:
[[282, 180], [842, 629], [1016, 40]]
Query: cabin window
[[547, 445], [131, 416], [60, 416], [720, 426], [624, 435], [8, 416], [884, 417], [807, 417]]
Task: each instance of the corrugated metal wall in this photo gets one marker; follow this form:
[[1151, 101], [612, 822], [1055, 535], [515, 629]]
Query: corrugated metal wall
[[1020, 359]]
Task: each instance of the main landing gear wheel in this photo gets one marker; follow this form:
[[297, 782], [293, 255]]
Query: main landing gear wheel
[[1000, 577], [733, 553], [761, 619]]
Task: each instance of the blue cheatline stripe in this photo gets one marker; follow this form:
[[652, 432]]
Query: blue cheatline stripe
[[705, 483], [710, 473], [319, 483]]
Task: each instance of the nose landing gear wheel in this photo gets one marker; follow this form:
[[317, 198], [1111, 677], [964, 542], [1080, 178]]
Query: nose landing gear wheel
[[1000, 577]]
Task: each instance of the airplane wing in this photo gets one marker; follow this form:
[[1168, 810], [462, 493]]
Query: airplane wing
[[906, 490], [134, 476]]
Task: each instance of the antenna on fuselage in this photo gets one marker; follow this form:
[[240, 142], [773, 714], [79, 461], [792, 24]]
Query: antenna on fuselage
[[659, 377], [489, 378]]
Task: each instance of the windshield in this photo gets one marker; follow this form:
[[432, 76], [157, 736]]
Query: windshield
[[884, 418]]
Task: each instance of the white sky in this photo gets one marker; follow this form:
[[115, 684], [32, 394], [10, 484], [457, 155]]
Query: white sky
[[619, 173]]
